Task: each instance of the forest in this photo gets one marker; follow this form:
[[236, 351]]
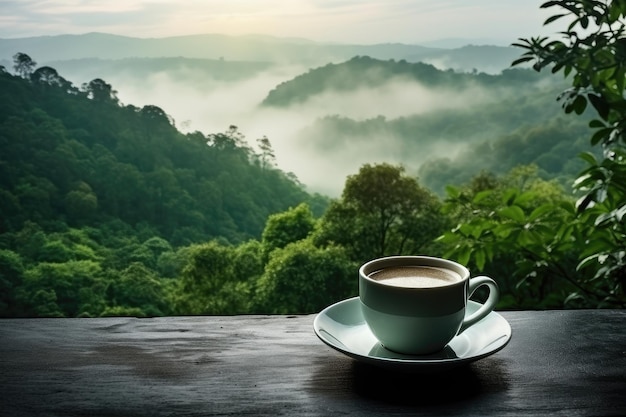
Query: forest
[[108, 209], [466, 121]]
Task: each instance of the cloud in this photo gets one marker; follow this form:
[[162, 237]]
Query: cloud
[[354, 21], [321, 163]]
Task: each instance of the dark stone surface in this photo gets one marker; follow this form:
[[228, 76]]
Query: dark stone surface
[[558, 363]]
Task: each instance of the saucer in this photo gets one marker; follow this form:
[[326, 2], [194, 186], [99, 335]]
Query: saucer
[[342, 327]]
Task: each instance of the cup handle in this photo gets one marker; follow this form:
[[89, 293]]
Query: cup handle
[[486, 308]]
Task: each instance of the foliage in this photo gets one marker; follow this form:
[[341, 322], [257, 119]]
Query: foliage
[[11, 276], [137, 289], [382, 211], [512, 120], [287, 227], [522, 231], [371, 72], [593, 51], [211, 282], [23, 64], [302, 278], [109, 210], [79, 157], [102, 206]]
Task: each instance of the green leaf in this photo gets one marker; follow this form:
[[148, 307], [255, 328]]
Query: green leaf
[[550, 4], [597, 246], [452, 191], [584, 22], [564, 232], [589, 158], [600, 136], [509, 196], [524, 198], [587, 261], [568, 207], [479, 259], [503, 230], [578, 105], [467, 230], [463, 255], [481, 196], [514, 213], [595, 123], [448, 237], [540, 211], [522, 59], [615, 12], [553, 18], [600, 104]]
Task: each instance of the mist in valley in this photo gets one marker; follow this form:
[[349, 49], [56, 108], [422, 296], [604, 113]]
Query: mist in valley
[[322, 139], [321, 159]]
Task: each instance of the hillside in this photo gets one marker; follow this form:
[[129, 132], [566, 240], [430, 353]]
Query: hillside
[[71, 157], [368, 72], [444, 126]]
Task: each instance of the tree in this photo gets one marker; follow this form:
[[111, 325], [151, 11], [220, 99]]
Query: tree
[[99, 90], [210, 282], [81, 203], [23, 64], [382, 211], [593, 51], [75, 287], [229, 140], [287, 227], [48, 76], [268, 156], [137, 287], [301, 278], [11, 271], [520, 230]]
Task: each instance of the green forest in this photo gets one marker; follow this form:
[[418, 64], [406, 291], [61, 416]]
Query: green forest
[[514, 120], [108, 209]]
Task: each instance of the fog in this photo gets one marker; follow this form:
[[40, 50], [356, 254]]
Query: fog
[[211, 106]]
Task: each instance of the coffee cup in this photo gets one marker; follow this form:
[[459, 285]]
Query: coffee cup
[[416, 304]]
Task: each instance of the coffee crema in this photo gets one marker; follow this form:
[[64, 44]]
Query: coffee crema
[[415, 276]]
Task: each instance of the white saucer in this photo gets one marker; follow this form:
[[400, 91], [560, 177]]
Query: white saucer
[[342, 327]]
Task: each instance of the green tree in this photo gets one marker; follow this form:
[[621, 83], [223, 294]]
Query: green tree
[[138, 289], [382, 211], [592, 50], [75, 287], [48, 76], [100, 91], [23, 64], [287, 227], [11, 272], [210, 282], [522, 231], [302, 278], [267, 156], [81, 203]]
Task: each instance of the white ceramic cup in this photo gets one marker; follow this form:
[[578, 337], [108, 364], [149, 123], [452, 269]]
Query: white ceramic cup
[[422, 319]]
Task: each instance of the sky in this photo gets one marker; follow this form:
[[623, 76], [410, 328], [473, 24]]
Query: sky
[[344, 21]]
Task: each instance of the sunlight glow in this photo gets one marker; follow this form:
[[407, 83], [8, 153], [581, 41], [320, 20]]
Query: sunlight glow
[[348, 21]]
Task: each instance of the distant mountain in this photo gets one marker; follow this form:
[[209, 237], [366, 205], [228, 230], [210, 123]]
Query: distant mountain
[[462, 123], [193, 70], [366, 72], [45, 49], [452, 43]]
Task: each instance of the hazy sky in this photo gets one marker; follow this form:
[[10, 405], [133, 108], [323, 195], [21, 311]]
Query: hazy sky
[[354, 21]]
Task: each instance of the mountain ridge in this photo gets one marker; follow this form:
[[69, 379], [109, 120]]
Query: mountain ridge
[[246, 48]]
